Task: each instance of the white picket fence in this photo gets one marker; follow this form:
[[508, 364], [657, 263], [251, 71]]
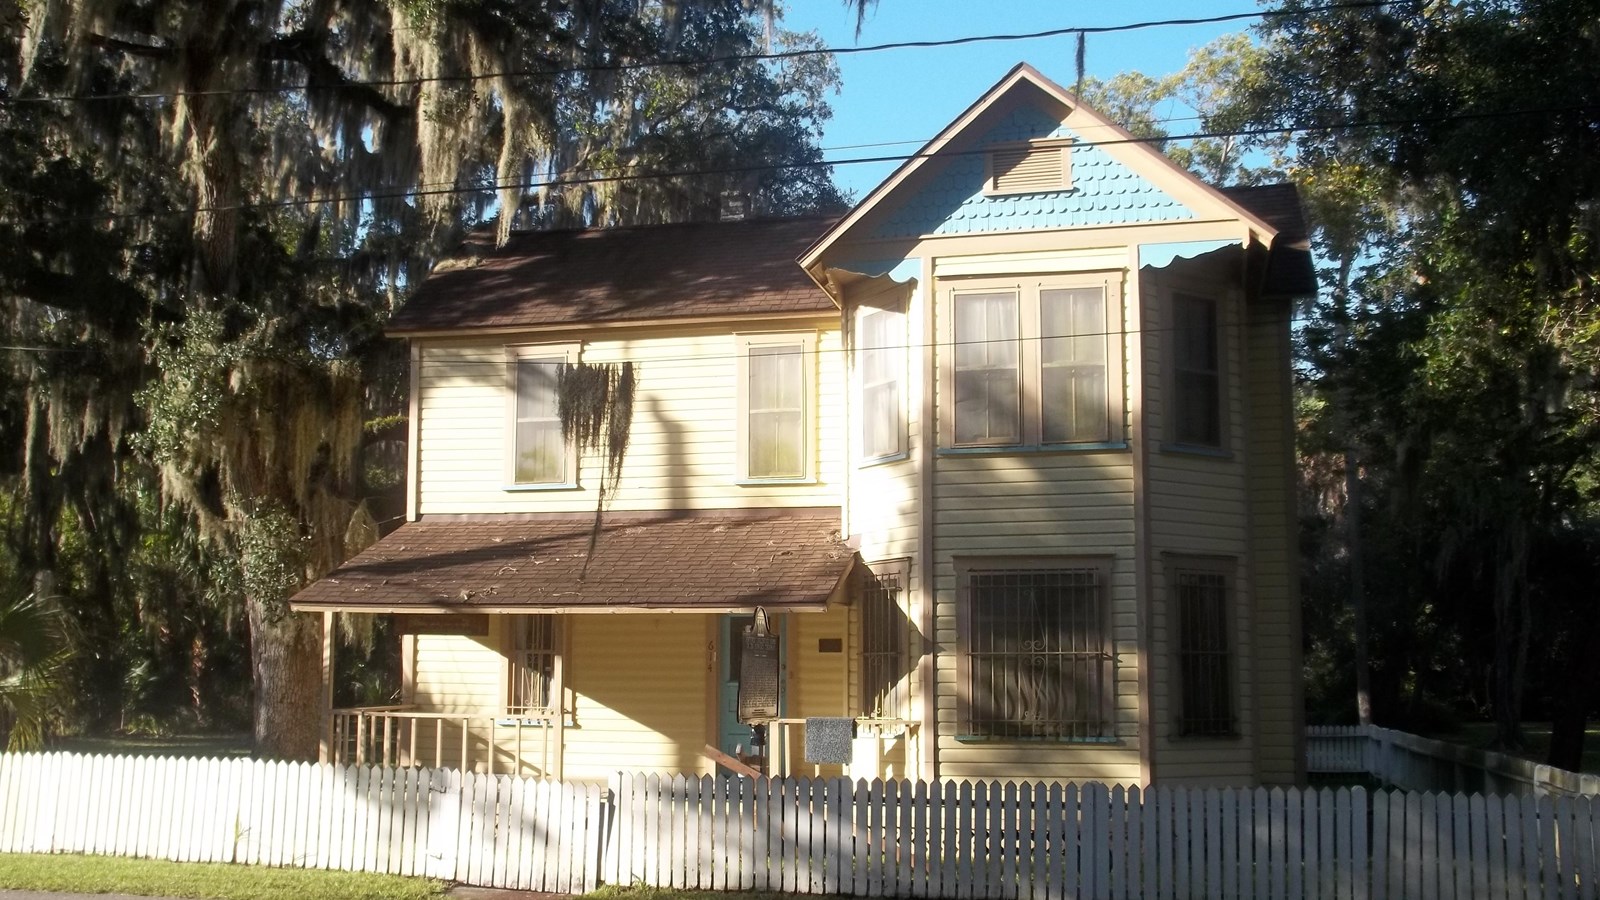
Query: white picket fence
[[1002, 841], [493, 830], [962, 841], [1414, 763]]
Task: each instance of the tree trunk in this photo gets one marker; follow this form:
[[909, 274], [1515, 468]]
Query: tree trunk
[[286, 654], [1512, 622], [1571, 716], [1358, 584], [1355, 558]]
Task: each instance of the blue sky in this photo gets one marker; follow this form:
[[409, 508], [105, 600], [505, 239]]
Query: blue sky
[[908, 95]]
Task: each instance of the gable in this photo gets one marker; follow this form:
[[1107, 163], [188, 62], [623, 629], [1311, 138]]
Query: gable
[[1116, 180], [1102, 189]]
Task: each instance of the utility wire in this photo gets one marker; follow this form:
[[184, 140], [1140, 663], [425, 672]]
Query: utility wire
[[947, 345], [687, 62], [381, 194]]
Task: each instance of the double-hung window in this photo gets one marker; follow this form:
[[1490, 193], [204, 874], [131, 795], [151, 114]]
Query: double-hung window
[[1038, 660], [1196, 372], [881, 367], [776, 399], [538, 455], [1199, 604], [1034, 363]]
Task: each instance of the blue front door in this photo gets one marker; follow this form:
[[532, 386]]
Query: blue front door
[[733, 738]]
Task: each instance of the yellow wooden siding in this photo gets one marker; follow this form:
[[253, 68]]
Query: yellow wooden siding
[[818, 682], [640, 687], [1065, 504], [683, 451], [1197, 505], [459, 674], [884, 511], [1279, 702]]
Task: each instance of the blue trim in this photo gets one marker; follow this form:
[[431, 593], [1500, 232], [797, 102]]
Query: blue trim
[[990, 739], [1010, 449], [898, 270], [869, 462], [1159, 255]]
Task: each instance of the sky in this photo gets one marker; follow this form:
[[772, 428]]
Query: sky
[[900, 98]]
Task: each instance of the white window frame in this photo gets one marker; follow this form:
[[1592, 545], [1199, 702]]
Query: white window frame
[[896, 364], [1219, 308], [806, 344], [1030, 353], [517, 353], [974, 727]]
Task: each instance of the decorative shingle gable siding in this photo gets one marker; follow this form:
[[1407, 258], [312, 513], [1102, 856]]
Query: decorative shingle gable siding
[[1103, 192]]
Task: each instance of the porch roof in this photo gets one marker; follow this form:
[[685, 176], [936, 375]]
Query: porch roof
[[678, 561]]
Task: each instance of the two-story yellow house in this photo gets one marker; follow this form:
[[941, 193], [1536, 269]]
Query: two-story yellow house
[[1004, 454]]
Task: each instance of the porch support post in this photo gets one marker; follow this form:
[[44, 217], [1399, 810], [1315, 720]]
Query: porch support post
[[325, 744], [558, 694]]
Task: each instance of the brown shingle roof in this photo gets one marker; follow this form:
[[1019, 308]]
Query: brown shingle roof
[[620, 274], [727, 559], [1290, 272]]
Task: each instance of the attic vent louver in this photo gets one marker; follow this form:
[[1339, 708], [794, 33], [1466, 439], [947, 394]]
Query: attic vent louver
[[1029, 168]]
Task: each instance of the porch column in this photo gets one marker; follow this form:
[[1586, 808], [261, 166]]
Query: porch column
[[325, 742]]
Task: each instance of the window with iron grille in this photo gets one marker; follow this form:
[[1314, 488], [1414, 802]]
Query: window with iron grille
[[883, 643], [1039, 660], [1205, 663], [532, 659]]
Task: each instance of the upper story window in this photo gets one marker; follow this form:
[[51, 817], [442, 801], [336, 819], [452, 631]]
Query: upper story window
[[1029, 168], [1036, 363], [538, 456], [881, 366], [776, 399], [1197, 386]]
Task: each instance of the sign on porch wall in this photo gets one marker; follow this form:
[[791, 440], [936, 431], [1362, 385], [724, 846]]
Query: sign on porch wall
[[758, 673], [467, 624]]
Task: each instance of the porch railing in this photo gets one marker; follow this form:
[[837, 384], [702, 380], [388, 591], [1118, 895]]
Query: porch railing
[[404, 736]]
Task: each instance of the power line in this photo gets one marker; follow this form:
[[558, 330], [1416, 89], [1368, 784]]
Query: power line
[[916, 346], [687, 62], [381, 194]]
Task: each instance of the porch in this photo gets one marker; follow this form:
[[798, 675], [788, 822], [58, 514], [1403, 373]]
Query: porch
[[407, 737], [517, 660]]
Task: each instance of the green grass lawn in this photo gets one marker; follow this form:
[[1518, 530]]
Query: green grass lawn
[[613, 892], [202, 881], [1481, 734], [198, 745]]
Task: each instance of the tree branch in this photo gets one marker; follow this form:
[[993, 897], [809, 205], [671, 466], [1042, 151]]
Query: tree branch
[[304, 48], [148, 51]]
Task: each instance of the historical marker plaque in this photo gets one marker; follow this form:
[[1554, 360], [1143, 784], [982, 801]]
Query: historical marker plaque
[[758, 677]]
